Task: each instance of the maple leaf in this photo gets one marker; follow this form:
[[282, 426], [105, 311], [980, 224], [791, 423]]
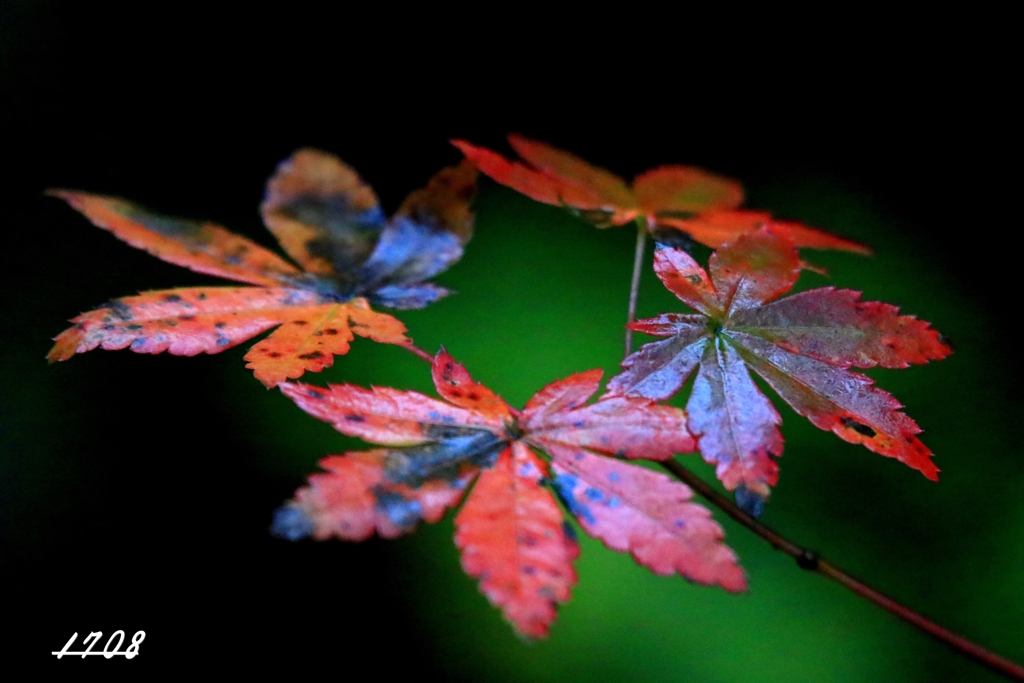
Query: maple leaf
[[328, 220], [802, 346], [669, 199], [510, 529]]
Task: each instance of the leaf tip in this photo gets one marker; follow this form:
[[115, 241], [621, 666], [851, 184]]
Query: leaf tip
[[67, 345], [518, 140], [291, 523], [946, 343], [733, 579], [72, 197], [930, 472], [59, 352], [750, 501], [467, 148]]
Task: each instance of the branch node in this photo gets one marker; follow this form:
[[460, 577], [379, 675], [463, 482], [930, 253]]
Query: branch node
[[808, 559]]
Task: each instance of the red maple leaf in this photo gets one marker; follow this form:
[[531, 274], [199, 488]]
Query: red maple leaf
[[681, 198], [329, 221], [802, 346], [510, 530]]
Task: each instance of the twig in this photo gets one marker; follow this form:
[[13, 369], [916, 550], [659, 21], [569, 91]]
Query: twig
[[634, 287], [810, 561]]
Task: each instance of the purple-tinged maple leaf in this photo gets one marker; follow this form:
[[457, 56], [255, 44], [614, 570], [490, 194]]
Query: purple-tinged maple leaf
[[802, 346]]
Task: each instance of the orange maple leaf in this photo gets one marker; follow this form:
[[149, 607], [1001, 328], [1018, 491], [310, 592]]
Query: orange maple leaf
[[328, 220]]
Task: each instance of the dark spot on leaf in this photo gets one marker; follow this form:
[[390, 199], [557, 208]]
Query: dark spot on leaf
[[108, 328], [311, 355], [443, 459], [446, 374], [139, 343], [188, 317], [223, 341], [473, 396], [319, 333], [355, 418], [564, 484], [529, 571], [133, 327], [220, 326], [274, 354], [313, 393], [299, 322], [331, 330], [401, 511], [120, 309], [621, 453], [858, 427], [201, 296], [171, 298], [513, 431], [672, 237]]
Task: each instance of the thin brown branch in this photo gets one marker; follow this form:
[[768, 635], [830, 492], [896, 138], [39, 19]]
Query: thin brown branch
[[810, 561], [634, 287]]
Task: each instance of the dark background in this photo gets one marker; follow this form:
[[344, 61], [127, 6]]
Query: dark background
[[135, 491]]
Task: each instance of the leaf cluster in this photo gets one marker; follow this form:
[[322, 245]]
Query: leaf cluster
[[516, 472]]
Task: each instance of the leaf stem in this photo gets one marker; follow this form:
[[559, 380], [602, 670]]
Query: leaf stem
[[634, 286], [810, 560], [417, 351]]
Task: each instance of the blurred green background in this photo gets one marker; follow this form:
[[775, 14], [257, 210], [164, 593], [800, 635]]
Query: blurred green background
[[136, 491]]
